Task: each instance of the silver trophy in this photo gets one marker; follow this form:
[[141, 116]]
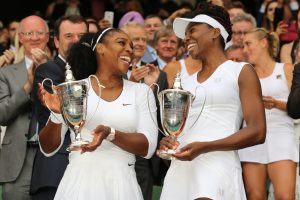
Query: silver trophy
[[73, 97], [175, 105]]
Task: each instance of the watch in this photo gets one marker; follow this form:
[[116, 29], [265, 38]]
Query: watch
[[111, 135]]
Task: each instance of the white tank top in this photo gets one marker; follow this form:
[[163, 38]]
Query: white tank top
[[184, 73], [222, 112], [276, 86]]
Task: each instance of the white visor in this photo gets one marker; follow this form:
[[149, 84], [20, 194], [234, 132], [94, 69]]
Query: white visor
[[180, 24]]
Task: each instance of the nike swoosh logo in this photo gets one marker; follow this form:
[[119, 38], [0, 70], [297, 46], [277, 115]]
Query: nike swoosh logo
[[130, 165], [127, 104]]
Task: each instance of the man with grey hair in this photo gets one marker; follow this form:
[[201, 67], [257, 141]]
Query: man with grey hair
[[241, 24], [19, 145]]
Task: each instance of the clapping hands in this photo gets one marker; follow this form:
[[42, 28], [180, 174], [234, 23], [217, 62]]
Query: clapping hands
[[148, 72]]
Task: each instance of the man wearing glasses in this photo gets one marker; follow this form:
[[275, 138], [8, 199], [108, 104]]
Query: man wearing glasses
[[19, 144], [241, 24], [67, 31]]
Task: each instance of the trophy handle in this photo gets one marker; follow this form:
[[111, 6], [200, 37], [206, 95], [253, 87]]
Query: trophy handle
[[54, 92], [204, 101], [159, 99], [99, 87]]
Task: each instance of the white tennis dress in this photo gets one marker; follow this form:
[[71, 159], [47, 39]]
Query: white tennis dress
[[108, 172], [280, 143], [215, 175]]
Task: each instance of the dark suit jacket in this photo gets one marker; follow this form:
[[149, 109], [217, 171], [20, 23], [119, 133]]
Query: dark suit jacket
[[158, 166], [48, 171], [293, 104], [14, 113]]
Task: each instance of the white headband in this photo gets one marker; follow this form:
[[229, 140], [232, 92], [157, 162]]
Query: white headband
[[99, 37], [180, 24]]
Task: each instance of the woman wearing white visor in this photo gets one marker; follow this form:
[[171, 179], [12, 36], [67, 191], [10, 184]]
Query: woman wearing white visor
[[207, 164]]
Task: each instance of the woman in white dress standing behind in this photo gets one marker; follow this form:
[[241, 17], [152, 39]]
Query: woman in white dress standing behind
[[118, 129], [207, 165], [277, 158]]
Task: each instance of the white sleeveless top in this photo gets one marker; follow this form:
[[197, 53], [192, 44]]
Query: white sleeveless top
[[276, 86], [222, 113], [216, 174], [183, 72], [280, 143]]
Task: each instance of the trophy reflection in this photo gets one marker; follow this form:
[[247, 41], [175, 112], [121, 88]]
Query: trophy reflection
[[72, 96], [175, 105]]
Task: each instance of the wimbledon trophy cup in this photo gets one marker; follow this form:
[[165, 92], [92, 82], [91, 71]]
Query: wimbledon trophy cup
[[72, 97], [175, 105]]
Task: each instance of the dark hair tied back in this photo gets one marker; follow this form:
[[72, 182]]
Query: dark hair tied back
[[216, 12], [81, 58]]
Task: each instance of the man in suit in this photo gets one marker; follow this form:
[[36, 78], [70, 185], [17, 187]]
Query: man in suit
[[48, 171], [19, 145], [146, 170], [293, 104]]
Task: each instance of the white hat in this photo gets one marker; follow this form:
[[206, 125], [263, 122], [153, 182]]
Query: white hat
[[180, 24]]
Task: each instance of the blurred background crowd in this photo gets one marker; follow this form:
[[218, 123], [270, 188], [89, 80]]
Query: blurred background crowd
[[156, 40]]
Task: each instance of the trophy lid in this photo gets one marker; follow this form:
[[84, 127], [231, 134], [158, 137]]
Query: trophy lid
[[69, 73], [177, 82]]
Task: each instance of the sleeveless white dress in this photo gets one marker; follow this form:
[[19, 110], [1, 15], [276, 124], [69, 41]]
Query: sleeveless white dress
[[108, 172], [183, 71], [215, 175], [280, 143]]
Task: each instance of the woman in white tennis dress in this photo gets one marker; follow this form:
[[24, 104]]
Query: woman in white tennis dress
[[277, 158], [118, 128], [207, 165]]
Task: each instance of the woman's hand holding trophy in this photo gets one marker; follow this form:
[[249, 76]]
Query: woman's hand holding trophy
[[48, 99], [70, 100], [175, 106]]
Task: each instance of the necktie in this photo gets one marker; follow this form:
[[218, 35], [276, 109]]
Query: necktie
[[32, 130]]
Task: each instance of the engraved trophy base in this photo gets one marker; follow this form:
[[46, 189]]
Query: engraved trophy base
[[76, 145], [167, 155]]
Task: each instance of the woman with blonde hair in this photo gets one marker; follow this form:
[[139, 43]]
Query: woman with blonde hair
[[277, 158]]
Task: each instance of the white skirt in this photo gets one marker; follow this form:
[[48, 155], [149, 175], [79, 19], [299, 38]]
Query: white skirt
[[99, 175], [214, 175], [277, 146]]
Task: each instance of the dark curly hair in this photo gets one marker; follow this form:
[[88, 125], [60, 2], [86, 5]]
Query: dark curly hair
[[216, 12], [81, 56]]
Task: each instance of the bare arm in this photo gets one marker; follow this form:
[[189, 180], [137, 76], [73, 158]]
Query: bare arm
[[285, 53], [126, 141], [254, 115], [143, 142], [288, 70], [50, 137]]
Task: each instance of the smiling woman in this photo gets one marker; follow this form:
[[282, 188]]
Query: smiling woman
[[119, 128], [207, 164]]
